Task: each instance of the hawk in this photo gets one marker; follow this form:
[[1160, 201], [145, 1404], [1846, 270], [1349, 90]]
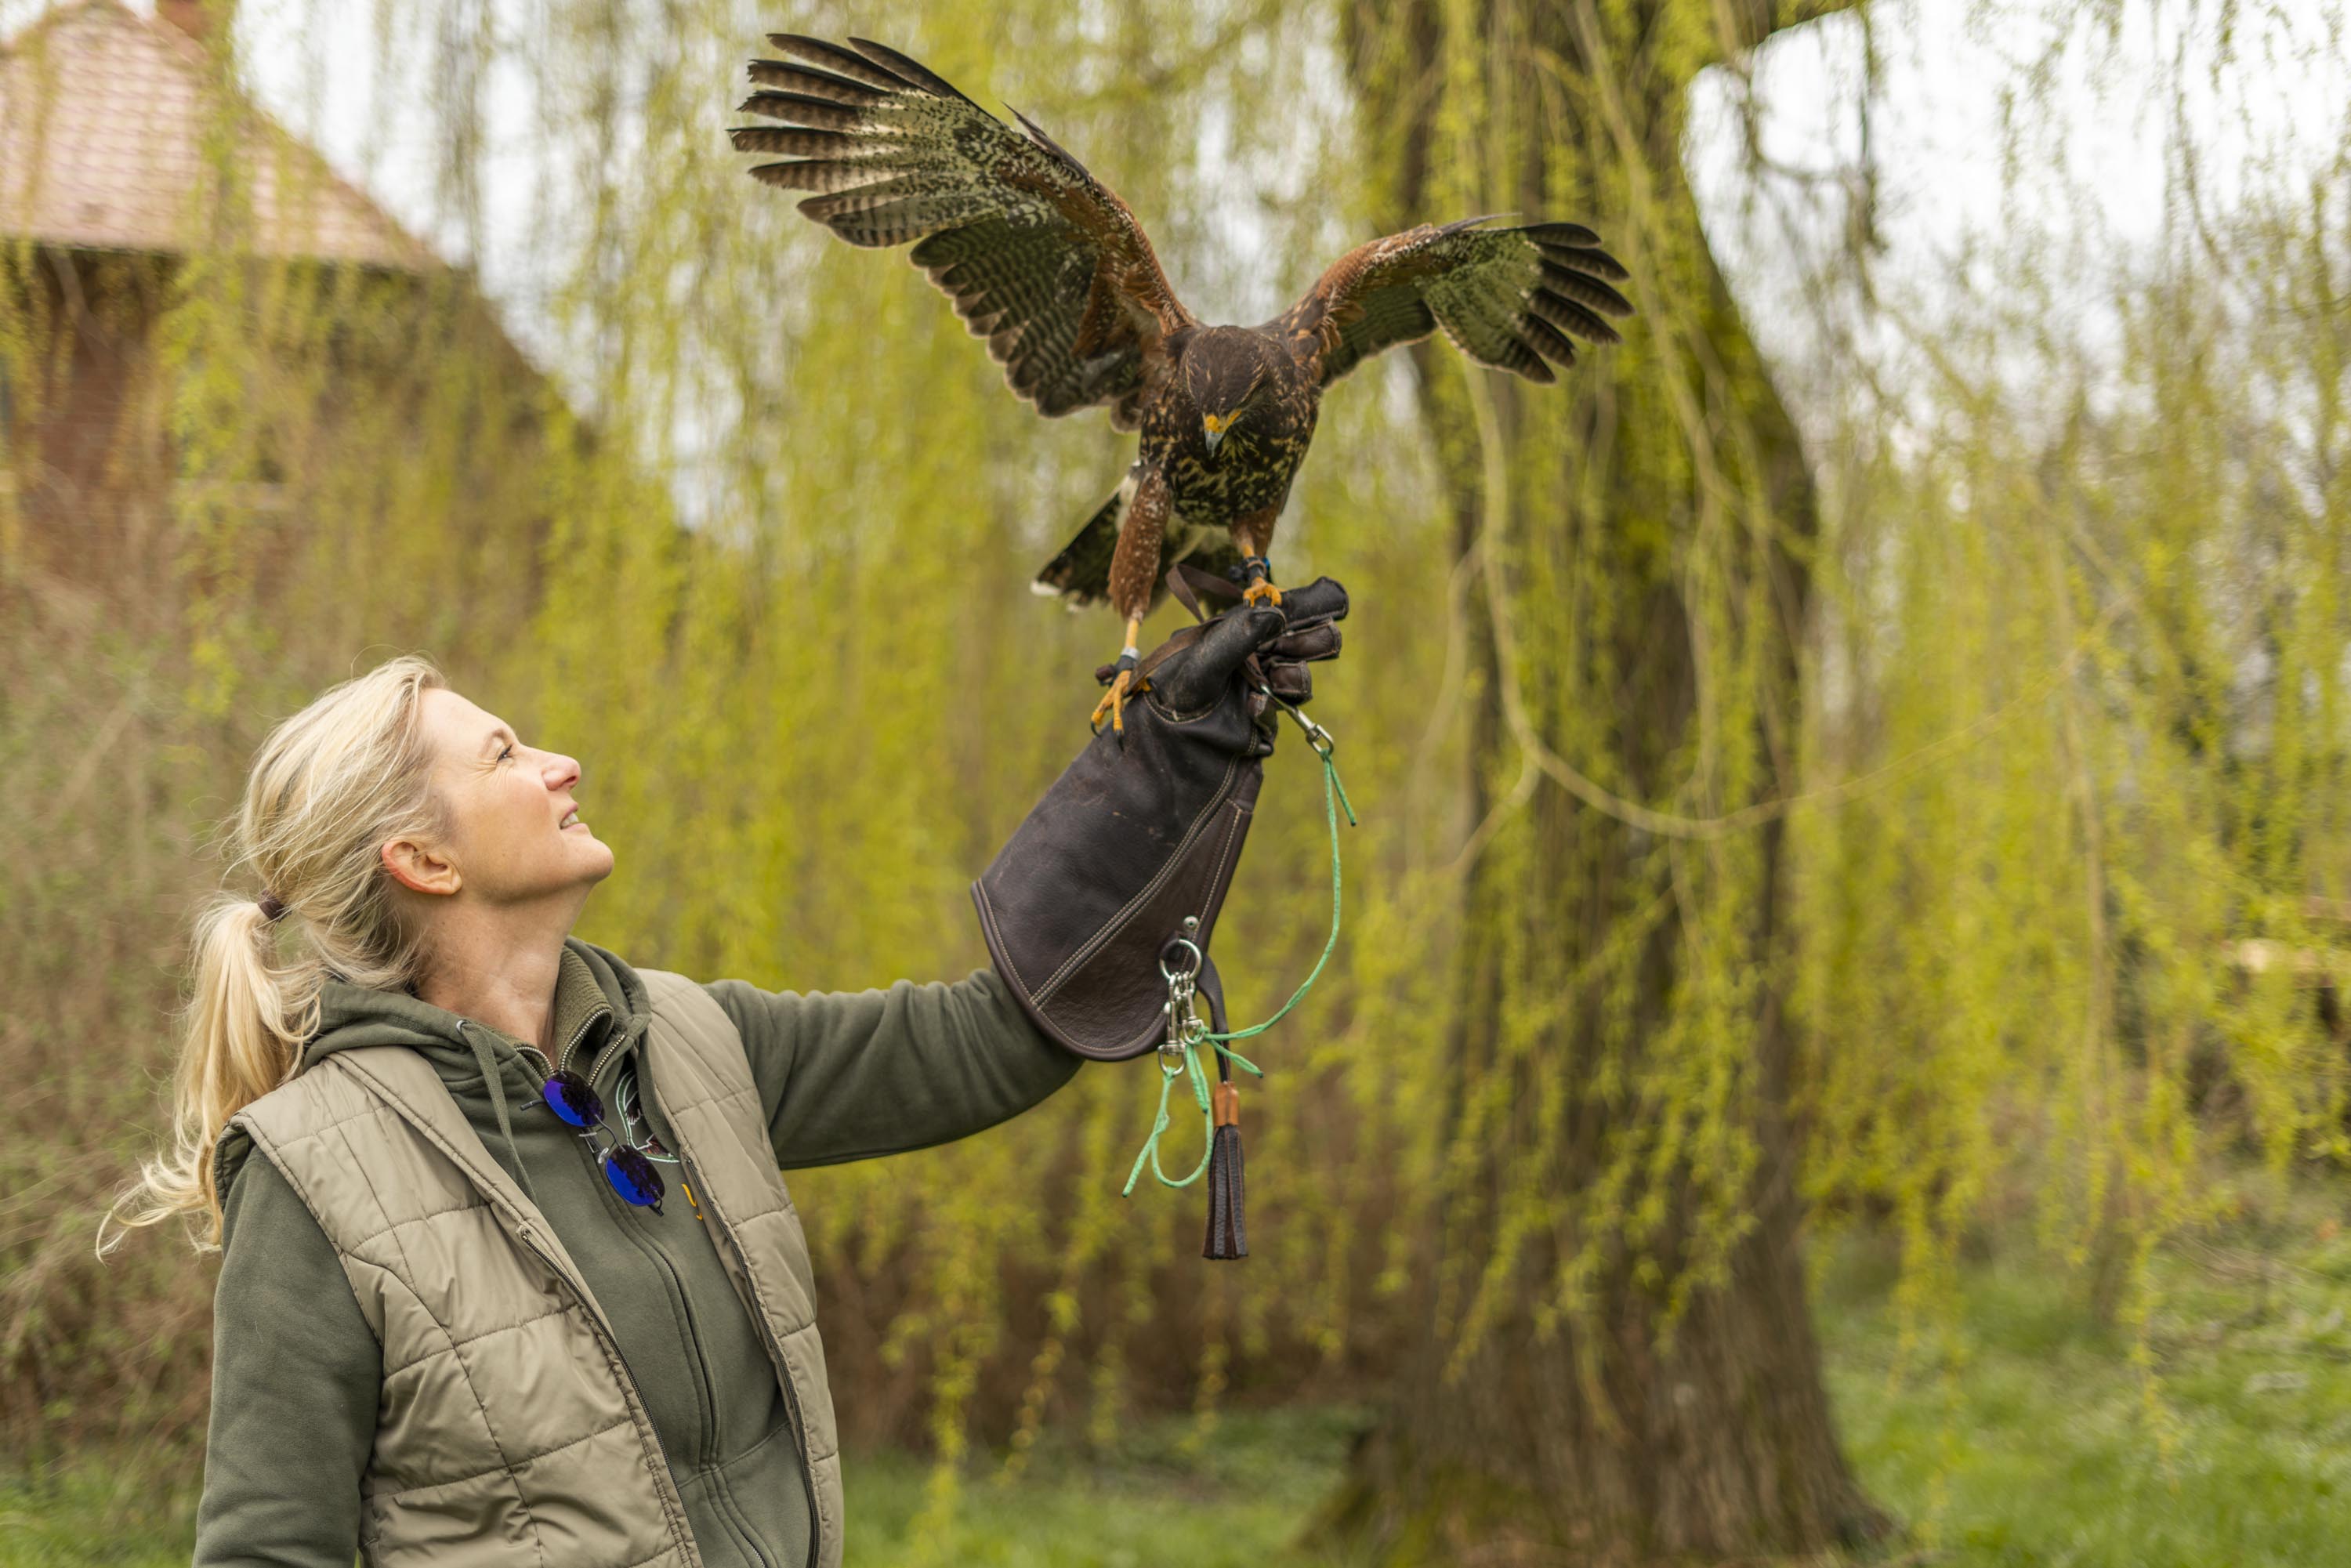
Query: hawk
[[1048, 265]]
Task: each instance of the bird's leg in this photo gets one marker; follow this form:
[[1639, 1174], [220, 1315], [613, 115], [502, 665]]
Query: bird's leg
[[1259, 573], [1123, 684]]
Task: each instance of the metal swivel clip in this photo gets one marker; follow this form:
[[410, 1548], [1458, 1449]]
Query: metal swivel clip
[[1316, 736], [1185, 1028]]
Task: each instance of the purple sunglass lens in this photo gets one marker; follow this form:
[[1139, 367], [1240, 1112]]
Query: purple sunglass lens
[[568, 1095], [633, 1177]]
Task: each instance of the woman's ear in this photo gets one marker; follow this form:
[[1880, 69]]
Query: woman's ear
[[420, 869]]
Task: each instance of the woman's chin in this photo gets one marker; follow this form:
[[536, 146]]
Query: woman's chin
[[594, 856]]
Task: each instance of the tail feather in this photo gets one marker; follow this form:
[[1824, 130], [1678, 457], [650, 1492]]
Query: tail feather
[[1079, 575], [1222, 559]]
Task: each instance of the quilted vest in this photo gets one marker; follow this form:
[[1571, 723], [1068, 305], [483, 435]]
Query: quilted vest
[[509, 1430]]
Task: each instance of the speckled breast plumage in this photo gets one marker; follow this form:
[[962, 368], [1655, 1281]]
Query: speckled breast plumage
[[1252, 472]]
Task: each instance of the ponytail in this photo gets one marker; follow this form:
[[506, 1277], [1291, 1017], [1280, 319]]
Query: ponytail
[[238, 1047], [329, 786]]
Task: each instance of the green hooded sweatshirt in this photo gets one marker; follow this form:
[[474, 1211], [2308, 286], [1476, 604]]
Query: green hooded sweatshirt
[[296, 1372]]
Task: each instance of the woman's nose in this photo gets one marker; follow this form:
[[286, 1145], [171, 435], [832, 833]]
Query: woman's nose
[[562, 771]]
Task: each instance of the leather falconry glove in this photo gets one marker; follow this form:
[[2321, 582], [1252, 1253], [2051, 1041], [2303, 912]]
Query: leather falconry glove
[[1141, 833]]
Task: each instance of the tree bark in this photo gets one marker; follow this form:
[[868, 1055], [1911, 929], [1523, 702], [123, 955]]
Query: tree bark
[[1638, 1421]]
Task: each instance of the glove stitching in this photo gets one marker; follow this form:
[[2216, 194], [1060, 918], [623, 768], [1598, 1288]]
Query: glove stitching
[[1118, 922], [1225, 856], [1172, 717], [995, 942]]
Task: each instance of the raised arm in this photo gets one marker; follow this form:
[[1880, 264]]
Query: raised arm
[[846, 1075], [1138, 835]]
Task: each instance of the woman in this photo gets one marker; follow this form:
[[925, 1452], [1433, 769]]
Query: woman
[[509, 1274]]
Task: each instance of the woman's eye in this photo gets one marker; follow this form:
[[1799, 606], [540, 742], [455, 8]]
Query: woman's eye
[[508, 752]]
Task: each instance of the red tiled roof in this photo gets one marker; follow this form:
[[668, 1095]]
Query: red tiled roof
[[103, 117]]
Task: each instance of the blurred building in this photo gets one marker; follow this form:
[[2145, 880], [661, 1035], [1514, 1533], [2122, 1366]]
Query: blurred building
[[134, 176]]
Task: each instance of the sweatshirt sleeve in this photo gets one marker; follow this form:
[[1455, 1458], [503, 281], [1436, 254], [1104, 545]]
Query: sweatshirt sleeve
[[296, 1374], [847, 1076]]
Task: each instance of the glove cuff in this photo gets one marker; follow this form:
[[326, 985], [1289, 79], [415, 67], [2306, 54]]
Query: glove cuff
[[1092, 889], [1143, 832]]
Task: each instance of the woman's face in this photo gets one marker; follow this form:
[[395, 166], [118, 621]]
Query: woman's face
[[515, 833]]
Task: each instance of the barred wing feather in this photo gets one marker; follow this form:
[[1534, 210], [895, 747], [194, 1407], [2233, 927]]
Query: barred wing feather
[[1042, 259], [1513, 298]]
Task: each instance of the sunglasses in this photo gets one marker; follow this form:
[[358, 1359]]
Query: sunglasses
[[627, 1164]]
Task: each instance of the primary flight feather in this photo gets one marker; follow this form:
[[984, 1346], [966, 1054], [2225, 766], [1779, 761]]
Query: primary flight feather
[[1046, 262]]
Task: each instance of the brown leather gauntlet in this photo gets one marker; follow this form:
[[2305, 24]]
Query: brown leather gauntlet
[[1138, 836]]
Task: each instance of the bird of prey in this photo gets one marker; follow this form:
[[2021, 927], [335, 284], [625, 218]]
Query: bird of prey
[[1046, 262]]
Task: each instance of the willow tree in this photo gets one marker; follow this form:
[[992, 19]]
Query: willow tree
[[1623, 1362], [753, 540], [750, 532], [2086, 605]]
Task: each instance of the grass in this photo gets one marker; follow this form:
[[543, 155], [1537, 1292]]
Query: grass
[[83, 1513], [2044, 1449], [1153, 1501]]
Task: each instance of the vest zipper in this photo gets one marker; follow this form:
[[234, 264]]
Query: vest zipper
[[520, 1228], [709, 1409], [783, 1366], [767, 1335]]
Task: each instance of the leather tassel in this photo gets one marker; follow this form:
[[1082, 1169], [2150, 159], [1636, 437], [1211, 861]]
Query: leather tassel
[[1227, 1233]]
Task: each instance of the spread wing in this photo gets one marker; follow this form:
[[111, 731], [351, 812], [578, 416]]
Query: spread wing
[[1040, 259], [1511, 298]]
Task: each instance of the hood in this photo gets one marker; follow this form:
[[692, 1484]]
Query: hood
[[594, 992], [599, 1003]]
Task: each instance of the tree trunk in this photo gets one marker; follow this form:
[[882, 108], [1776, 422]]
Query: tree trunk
[[1621, 1365]]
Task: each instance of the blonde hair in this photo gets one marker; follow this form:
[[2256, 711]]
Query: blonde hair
[[328, 787]]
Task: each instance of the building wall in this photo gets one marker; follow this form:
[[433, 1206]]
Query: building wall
[[87, 474], [175, 436]]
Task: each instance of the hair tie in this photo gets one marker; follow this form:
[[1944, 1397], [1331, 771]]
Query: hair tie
[[272, 907]]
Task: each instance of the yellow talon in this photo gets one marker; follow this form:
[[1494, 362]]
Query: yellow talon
[[1261, 592], [1114, 701]]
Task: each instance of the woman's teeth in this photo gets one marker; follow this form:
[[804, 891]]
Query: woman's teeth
[[570, 818]]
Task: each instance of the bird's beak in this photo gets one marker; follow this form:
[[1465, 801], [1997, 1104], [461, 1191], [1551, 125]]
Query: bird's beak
[[1214, 429]]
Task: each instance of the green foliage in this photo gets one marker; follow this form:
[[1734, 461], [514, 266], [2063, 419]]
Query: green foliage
[[2073, 733], [2075, 873], [809, 703], [2034, 1445], [1631, 553]]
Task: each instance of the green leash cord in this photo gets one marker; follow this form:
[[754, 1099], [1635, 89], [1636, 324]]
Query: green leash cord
[[1180, 1056]]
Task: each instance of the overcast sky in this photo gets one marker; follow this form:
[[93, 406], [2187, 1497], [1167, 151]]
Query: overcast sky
[[2266, 119], [2266, 115]]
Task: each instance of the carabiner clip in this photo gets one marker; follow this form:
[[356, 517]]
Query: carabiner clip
[[1316, 736], [1184, 1025], [1185, 1030]]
